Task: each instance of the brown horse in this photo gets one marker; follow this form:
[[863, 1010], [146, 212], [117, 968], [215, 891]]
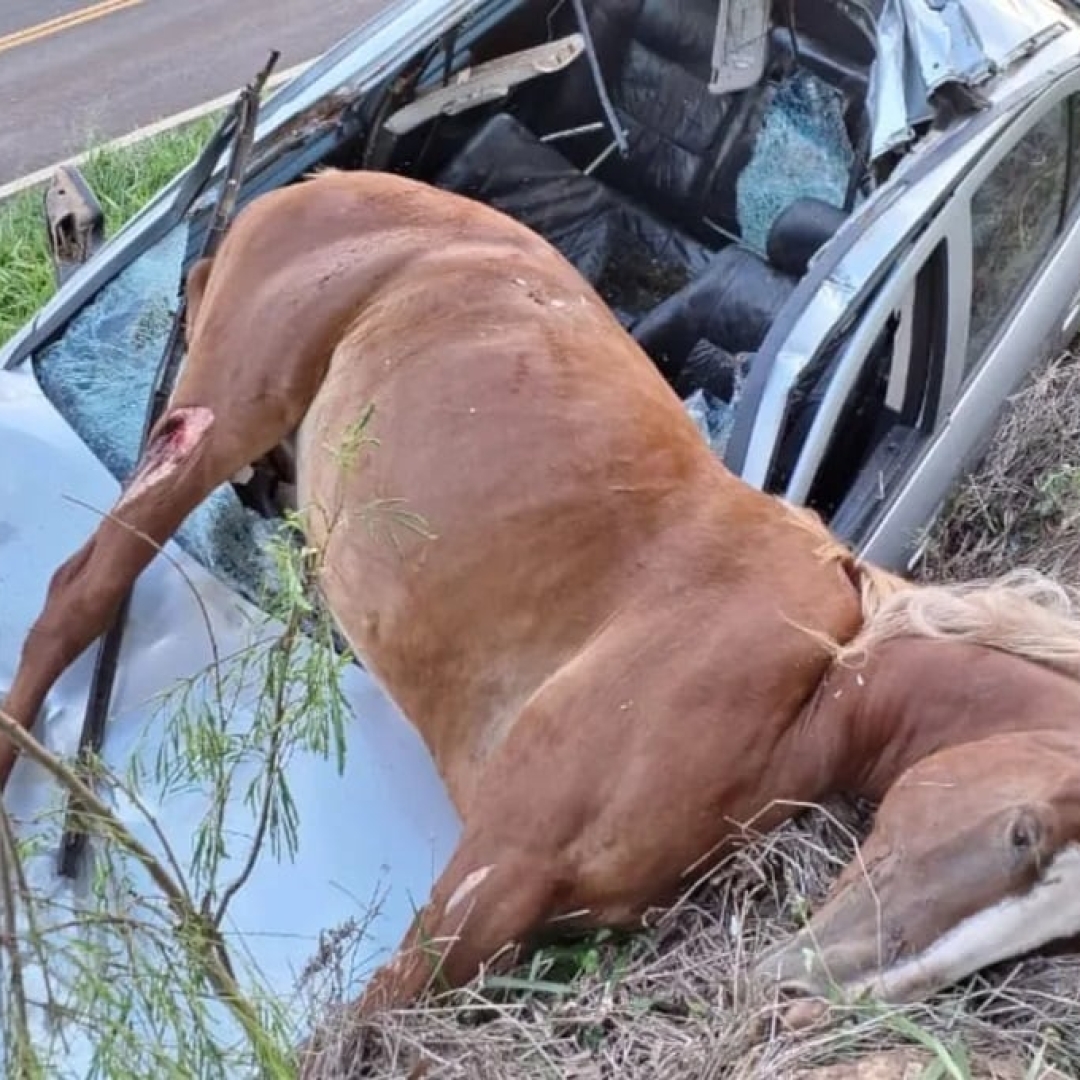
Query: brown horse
[[615, 650]]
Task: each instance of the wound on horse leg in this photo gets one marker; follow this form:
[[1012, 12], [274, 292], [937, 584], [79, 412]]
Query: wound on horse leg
[[173, 440]]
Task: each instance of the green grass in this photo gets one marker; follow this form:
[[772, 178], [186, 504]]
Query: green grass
[[123, 180]]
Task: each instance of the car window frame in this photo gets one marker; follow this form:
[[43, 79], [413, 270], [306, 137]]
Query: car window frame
[[898, 450], [970, 416], [992, 159], [857, 350]]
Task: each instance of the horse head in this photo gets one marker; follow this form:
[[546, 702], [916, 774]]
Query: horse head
[[975, 853]]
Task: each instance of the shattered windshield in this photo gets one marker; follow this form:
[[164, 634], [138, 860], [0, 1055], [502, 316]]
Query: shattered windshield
[[98, 375]]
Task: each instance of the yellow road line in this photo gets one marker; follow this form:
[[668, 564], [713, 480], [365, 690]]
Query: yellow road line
[[64, 22]]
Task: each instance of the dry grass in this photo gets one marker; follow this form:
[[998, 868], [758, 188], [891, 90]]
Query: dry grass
[[672, 1001], [1022, 506]]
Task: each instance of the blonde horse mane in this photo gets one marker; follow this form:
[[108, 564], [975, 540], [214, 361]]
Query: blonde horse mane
[[1023, 612]]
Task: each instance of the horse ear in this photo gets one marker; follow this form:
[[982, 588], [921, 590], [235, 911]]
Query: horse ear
[[197, 277]]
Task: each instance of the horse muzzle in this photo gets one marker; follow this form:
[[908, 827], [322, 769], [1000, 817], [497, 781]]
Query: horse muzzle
[[841, 954]]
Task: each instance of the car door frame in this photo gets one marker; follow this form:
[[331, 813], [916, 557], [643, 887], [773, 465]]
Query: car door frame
[[973, 401], [854, 262], [941, 232]]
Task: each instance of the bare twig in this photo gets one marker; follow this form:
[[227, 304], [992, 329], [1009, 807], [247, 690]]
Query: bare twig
[[10, 852], [9, 860], [284, 645]]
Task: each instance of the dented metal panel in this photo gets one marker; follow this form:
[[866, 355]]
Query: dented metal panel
[[924, 46]]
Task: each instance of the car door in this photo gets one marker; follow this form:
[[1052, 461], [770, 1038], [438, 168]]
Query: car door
[[878, 402], [1008, 297]]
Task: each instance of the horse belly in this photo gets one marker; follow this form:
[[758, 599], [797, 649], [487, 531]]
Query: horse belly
[[441, 566]]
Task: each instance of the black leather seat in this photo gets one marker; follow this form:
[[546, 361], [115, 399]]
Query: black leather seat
[[688, 146], [733, 303], [506, 166], [639, 226], [632, 257], [656, 61]]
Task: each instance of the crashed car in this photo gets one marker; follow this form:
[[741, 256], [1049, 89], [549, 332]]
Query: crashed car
[[844, 230]]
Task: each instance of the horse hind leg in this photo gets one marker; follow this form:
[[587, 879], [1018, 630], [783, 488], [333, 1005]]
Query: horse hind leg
[[487, 900], [193, 448]]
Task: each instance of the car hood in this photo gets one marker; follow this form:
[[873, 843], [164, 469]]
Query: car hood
[[383, 827]]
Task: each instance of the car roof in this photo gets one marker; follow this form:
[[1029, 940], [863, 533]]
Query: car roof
[[979, 46]]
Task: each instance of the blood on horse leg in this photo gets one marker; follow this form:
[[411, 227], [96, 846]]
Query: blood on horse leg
[[177, 436]]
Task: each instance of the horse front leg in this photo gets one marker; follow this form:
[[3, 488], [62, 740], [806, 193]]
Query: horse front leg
[[192, 450]]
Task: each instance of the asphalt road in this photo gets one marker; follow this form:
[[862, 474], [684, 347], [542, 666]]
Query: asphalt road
[[78, 72]]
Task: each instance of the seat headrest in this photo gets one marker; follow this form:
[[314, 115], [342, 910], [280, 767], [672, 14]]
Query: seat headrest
[[800, 231]]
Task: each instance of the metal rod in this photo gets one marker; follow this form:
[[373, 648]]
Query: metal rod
[[245, 110], [598, 77], [567, 133]]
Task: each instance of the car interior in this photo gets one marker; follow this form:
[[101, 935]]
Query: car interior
[[693, 213]]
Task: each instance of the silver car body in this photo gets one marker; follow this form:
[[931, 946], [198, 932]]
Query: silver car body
[[879, 252]]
